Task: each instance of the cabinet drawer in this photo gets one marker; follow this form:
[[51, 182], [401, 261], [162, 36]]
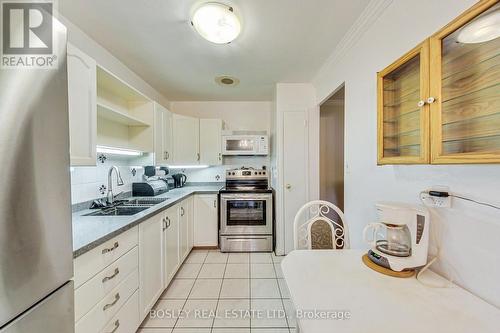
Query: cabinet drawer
[[92, 262], [108, 307], [127, 319], [92, 291]]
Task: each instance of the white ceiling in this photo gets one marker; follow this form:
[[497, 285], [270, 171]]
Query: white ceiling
[[281, 41]]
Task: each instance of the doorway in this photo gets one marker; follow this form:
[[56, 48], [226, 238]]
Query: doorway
[[332, 148]]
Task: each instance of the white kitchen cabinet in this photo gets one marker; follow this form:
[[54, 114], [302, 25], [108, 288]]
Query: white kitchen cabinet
[[82, 100], [163, 135], [150, 262], [127, 319], [205, 220], [211, 141], [183, 230], [171, 241], [186, 140], [190, 210]]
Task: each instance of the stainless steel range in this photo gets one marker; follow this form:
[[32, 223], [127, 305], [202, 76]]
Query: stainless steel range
[[246, 212]]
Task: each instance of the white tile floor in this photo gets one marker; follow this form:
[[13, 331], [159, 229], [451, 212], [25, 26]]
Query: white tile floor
[[216, 292]]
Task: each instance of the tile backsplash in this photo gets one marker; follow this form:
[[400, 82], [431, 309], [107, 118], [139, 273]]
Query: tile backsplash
[[87, 182]]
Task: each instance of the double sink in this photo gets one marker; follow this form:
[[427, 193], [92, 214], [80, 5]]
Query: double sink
[[128, 207]]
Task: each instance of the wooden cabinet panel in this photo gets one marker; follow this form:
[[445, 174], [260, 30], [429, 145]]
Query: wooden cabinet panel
[[403, 116], [186, 139], [465, 81], [163, 135], [205, 220], [171, 241], [150, 262], [183, 230], [82, 100], [211, 141]]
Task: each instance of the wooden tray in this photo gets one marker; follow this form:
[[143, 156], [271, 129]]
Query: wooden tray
[[386, 271]]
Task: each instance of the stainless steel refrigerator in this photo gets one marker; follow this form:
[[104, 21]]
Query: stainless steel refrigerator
[[36, 294]]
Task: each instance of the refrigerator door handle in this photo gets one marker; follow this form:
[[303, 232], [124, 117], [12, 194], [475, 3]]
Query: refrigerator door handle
[[107, 306]]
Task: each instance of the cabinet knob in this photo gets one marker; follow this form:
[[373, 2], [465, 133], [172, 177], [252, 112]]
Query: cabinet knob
[[431, 100], [215, 203], [288, 186], [421, 103]]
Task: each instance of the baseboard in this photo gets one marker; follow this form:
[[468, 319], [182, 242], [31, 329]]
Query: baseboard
[[205, 248]]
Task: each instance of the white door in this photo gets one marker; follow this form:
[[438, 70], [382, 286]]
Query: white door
[[150, 262], [171, 242], [295, 170], [205, 220], [183, 230], [210, 141], [82, 100], [186, 140], [163, 135]]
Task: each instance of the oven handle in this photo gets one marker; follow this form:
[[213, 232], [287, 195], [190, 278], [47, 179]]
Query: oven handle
[[246, 197], [240, 238]]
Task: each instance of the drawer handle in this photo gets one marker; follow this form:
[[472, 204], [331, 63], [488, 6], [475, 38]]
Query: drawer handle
[[107, 306], [182, 211], [117, 324], [107, 278], [115, 246]]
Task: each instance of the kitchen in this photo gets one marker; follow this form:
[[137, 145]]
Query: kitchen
[[189, 169]]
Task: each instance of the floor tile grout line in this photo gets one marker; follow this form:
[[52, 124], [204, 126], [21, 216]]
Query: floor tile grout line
[[220, 290], [282, 302]]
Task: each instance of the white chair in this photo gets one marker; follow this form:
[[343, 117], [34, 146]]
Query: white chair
[[314, 227]]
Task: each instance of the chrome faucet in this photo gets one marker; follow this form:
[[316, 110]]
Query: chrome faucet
[[110, 197]]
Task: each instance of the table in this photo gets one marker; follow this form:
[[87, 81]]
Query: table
[[327, 281]]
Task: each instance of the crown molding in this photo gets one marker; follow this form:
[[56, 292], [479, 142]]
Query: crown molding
[[366, 19]]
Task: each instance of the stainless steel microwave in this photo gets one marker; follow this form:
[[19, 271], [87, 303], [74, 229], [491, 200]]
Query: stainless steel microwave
[[245, 145]]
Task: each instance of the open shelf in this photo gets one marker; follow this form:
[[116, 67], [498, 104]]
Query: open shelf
[[114, 114]]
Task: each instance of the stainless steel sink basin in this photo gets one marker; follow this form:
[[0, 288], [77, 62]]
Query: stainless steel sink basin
[[144, 202], [119, 211]]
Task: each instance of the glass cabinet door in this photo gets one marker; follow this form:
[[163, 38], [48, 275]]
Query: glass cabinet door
[[465, 84], [403, 114]]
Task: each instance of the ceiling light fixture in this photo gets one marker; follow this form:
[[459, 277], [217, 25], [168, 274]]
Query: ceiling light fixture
[[482, 29], [216, 22], [227, 80]]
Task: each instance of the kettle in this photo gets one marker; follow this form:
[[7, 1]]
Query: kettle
[[179, 179]]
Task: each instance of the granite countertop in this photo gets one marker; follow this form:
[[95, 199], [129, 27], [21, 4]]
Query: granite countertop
[[91, 231]]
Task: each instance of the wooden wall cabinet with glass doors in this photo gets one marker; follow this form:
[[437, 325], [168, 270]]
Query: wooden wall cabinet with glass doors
[[460, 110]]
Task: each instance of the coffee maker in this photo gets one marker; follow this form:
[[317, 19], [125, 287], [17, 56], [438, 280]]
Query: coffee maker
[[400, 240]]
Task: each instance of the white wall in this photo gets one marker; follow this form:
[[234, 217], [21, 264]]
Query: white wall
[[109, 61], [467, 235]]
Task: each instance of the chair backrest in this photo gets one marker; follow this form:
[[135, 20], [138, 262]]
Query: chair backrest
[[314, 227]]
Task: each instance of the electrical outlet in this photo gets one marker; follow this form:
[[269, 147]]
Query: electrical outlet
[[437, 202]]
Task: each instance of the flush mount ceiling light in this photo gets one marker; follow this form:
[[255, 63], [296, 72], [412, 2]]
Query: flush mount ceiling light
[[482, 29], [216, 23], [227, 80]]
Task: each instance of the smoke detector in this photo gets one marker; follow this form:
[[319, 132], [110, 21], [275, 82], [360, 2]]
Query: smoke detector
[[227, 81]]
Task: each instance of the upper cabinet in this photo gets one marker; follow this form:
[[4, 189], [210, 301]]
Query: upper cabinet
[[465, 83], [186, 140], [82, 94], [125, 117], [210, 141], [440, 103], [163, 135], [403, 115]]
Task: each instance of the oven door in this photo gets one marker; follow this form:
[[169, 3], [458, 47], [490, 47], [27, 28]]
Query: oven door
[[246, 214]]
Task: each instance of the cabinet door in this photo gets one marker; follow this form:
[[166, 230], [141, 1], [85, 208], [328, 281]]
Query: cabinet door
[[190, 214], [171, 243], [183, 230], [150, 262], [186, 140], [465, 83], [210, 141], [82, 99], [163, 135], [206, 220], [403, 114]]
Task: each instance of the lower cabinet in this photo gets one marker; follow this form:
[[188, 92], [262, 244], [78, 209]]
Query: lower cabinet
[[171, 241], [127, 319], [206, 220], [151, 282], [183, 230]]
